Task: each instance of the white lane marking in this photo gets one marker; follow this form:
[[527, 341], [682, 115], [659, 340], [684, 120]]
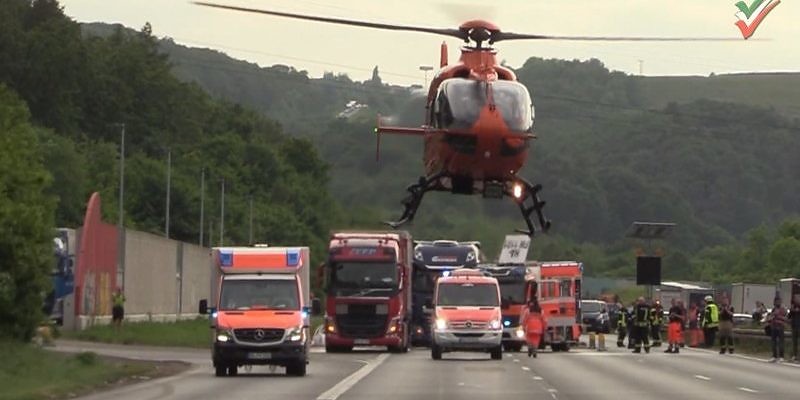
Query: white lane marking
[[526, 369], [347, 383], [537, 378], [748, 390], [460, 383], [516, 360], [701, 377], [552, 390]]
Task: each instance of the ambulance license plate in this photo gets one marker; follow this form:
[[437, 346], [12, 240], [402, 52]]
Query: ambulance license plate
[[259, 356], [361, 341]]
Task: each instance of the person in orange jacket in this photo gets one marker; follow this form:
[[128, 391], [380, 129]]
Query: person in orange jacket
[[533, 325]]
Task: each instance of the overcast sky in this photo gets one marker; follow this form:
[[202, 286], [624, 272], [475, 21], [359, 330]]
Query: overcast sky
[[319, 47]]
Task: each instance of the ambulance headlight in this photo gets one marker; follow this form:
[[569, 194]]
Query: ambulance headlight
[[520, 333], [496, 324], [296, 334], [441, 324], [224, 335]]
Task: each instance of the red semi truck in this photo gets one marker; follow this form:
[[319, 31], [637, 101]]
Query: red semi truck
[[368, 284]]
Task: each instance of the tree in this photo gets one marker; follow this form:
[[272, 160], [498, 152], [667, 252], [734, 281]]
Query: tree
[[26, 221]]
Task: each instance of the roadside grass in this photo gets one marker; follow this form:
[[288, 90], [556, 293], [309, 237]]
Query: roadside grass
[[31, 373], [191, 333]]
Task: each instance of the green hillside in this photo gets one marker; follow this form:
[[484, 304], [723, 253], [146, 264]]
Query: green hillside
[[777, 90]]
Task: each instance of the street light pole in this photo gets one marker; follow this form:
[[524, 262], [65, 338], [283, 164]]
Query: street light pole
[[425, 68], [222, 214], [202, 202], [169, 184], [121, 213], [251, 220]]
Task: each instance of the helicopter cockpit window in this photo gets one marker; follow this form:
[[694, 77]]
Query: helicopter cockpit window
[[460, 102]]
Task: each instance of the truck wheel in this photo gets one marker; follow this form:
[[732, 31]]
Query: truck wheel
[[296, 369], [436, 352], [497, 353], [233, 370], [220, 370]]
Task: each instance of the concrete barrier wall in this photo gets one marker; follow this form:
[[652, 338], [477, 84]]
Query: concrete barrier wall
[[196, 274], [151, 266]]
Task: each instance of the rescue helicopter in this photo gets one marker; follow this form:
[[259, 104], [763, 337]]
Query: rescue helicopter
[[478, 117]]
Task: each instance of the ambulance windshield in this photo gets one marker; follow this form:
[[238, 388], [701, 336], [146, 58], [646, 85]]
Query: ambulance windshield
[[363, 279], [468, 294], [254, 294]]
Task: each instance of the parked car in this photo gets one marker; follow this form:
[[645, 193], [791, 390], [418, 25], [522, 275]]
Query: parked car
[[594, 314]]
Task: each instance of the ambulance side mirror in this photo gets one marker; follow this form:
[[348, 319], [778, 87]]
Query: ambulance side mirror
[[316, 307], [203, 307]]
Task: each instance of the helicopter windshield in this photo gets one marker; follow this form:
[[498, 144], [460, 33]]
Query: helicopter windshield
[[460, 102]]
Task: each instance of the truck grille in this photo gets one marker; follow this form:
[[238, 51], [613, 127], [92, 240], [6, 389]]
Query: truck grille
[[258, 335], [361, 321], [468, 324], [471, 335]]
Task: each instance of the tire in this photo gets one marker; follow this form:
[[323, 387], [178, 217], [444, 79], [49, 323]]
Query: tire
[[233, 370], [220, 370], [436, 352], [296, 369], [497, 353]]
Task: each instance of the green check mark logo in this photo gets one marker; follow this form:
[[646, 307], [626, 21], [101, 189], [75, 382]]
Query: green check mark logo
[[748, 10]]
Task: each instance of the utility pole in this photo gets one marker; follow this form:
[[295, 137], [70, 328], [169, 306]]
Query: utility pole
[[169, 184], [202, 202], [251, 220], [121, 212], [222, 214]]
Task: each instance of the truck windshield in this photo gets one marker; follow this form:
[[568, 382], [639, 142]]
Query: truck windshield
[[265, 294], [424, 279], [467, 294], [513, 292], [363, 278]]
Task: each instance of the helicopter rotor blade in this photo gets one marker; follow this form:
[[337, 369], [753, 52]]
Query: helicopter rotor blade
[[438, 31], [499, 36]]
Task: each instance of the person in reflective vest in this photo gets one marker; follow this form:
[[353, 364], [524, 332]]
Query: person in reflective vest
[[710, 321], [656, 321], [622, 326], [641, 326]]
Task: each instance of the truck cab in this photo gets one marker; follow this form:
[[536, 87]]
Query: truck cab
[[512, 281], [466, 314], [260, 313], [368, 284], [431, 261]]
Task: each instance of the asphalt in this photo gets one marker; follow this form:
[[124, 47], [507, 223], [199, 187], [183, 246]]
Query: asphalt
[[578, 374]]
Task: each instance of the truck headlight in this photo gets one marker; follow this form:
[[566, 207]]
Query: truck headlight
[[496, 324], [296, 334], [441, 324], [471, 256]]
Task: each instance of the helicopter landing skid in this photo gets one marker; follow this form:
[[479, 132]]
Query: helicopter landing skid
[[532, 194], [414, 199]]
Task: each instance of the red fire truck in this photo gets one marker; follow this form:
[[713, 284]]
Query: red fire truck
[[368, 284], [559, 297]]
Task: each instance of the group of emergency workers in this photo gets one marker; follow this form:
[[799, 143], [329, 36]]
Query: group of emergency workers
[[643, 323]]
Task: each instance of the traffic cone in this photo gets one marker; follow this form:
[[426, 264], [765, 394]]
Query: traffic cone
[[601, 342], [591, 340]]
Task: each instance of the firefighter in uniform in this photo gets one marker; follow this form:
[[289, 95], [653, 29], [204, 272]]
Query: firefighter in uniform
[[631, 327], [641, 328], [622, 326], [710, 321], [657, 320]]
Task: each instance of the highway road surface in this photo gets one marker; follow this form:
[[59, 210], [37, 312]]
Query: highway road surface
[[579, 374]]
